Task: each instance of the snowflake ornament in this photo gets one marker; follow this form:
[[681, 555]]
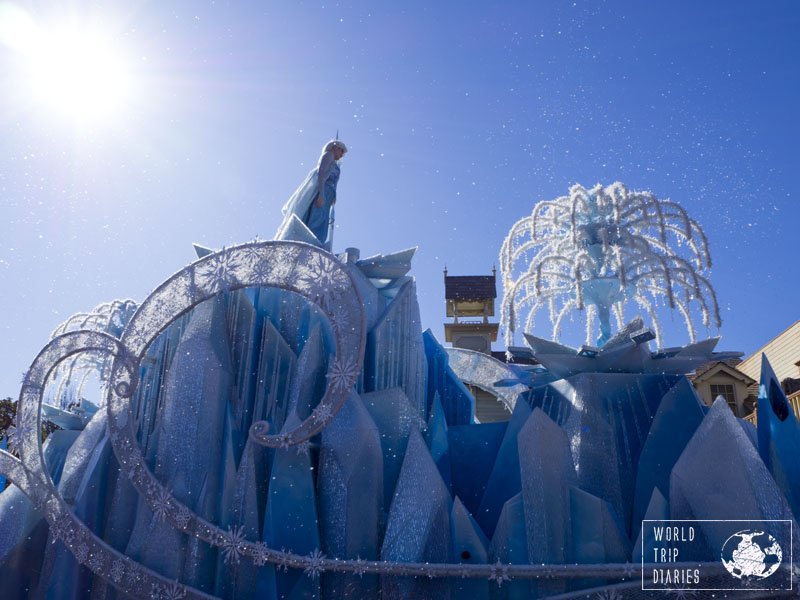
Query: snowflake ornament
[[233, 543], [342, 373], [219, 274], [499, 573], [167, 591], [315, 564], [117, 571], [360, 566], [261, 554], [81, 553], [17, 434], [322, 413], [161, 504], [284, 561]]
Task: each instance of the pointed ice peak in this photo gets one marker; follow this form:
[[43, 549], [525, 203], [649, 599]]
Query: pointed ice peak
[[626, 352], [202, 251], [294, 229], [702, 348], [387, 266], [543, 346], [770, 392]]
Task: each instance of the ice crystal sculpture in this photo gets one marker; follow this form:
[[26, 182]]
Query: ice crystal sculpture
[[277, 426], [69, 379], [600, 249]]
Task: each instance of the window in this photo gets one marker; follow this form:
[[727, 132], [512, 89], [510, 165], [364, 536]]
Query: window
[[726, 391]]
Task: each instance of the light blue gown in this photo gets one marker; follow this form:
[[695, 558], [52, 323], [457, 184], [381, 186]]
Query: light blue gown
[[318, 218], [301, 203]]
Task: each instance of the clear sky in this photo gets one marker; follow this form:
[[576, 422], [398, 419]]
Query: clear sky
[[160, 124]]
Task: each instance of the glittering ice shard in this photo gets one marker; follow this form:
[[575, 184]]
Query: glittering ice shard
[[657, 510], [606, 417], [290, 520], [395, 419], [395, 355], [700, 489], [546, 472], [473, 451], [458, 403], [778, 435], [677, 418], [350, 493], [437, 439], [504, 482], [469, 547], [596, 534], [190, 450], [418, 526], [509, 545]]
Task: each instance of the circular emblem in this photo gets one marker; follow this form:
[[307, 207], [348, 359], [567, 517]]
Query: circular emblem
[[751, 553]]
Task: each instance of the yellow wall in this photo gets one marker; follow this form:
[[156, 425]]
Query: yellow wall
[[782, 352]]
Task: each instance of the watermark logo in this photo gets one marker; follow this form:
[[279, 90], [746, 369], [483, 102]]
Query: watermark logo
[[751, 553], [717, 555]]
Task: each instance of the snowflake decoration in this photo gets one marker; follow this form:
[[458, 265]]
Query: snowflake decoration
[[28, 381], [341, 322], [261, 554], [284, 441], [608, 595], [629, 570], [95, 562], [161, 503], [280, 267], [283, 561], [117, 571], [322, 413], [233, 544], [303, 447], [182, 516], [499, 573], [323, 278], [263, 271], [62, 530], [342, 373], [219, 274], [360, 566], [18, 433], [81, 553], [315, 564], [167, 591], [252, 254]]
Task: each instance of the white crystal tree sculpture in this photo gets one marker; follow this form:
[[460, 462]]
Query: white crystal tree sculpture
[[599, 250]]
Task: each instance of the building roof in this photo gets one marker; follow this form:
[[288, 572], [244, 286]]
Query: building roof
[[705, 367], [724, 366], [470, 287]]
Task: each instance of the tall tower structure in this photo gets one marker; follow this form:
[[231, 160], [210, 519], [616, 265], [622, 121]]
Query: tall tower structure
[[470, 302]]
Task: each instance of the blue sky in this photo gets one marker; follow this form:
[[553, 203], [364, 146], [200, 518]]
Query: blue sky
[[459, 116]]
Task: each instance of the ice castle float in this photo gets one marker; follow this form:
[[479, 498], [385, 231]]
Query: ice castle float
[[276, 425]]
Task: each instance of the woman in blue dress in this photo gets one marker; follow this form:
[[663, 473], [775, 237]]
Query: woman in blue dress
[[313, 201]]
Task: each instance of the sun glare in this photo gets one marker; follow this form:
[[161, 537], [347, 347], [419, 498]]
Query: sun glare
[[74, 72], [78, 75]]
